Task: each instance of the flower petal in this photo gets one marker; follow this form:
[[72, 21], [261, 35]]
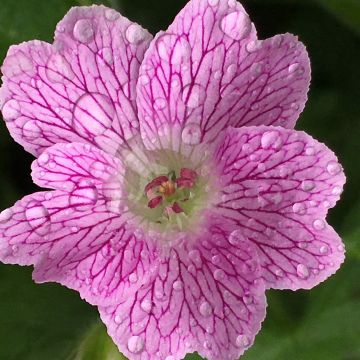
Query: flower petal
[[81, 88], [277, 187], [64, 166], [208, 298], [209, 71], [81, 246]]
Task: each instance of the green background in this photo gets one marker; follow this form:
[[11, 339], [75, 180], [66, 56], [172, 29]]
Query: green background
[[43, 322]]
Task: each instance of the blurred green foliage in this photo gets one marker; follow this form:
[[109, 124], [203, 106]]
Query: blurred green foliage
[[51, 322]]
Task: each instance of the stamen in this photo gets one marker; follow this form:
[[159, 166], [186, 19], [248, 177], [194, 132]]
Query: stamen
[[167, 188], [154, 202]]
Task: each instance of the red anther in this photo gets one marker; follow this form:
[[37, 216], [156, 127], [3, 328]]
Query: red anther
[[177, 208], [185, 183], [153, 203], [156, 182], [189, 174]]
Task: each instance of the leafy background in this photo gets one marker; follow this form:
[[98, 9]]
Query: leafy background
[[50, 322]]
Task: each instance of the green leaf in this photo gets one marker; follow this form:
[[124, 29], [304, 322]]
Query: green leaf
[[347, 11]]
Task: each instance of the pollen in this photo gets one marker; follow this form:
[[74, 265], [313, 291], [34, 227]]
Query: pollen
[[167, 188]]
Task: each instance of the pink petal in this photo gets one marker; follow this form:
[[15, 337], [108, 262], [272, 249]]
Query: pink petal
[[208, 298], [84, 247], [209, 71], [277, 187], [81, 88]]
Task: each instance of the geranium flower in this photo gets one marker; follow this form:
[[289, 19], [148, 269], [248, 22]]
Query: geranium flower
[[180, 190]]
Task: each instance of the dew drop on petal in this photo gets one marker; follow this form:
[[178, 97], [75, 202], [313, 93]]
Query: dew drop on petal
[[83, 197], [133, 278], [253, 46], [256, 69], [236, 25], [191, 134], [308, 185], [173, 49], [236, 237], [93, 114], [310, 150], [38, 218], [319, 224], [213, 2], [242, 341], [333, 167], [17, 64], [178, 285], [324, 249], [302, 271], [337, 190], [271, 139], [111, 14], [205, 309], [193, 95], [219, 274], [159, 104], [5, 215], [299, 208], [58, 69], [11, 110], [136, 344], [105, 55], [146, 305], [31, 130], [83, 31], [43, 159], [135, 34]]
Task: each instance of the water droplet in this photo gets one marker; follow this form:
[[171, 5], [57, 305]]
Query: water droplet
[[242, 341], [11, 110], [253, 46], [302, 271], [319, 224], [193, 95], [256, 69], [146, 305], [341, 248], [219, 274], [271, 140], [308, 185], [159, 103], [236, 25], [58, 68], [324, 249], [170, 357], [31, 130], [105, 55], [83, 197], [213, 2], [276, 41], [217, 75], [17, 64], [83, 31], [173, 49], [333, 167], [111, 14], [191, 134], [135, 34], [177, 285], [93, 114], [43, 159], [310, 150], [38, 218], [205, 309], [337, 190], [136, 344], [296, 69], [248, 299], [5, 215], [133, 278], [299, 208], [236, 237]]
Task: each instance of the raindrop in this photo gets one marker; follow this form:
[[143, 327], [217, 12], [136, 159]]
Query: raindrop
[[296, 69], [302, 271], [271, 139], [219, 274], [178, 285], [205, 309], [215, 259], [213, 2], [5, 215], [146, 305], [11, 110], [242, 341], [248, 300], [58, 68], [333, 167], [236, 237], [299, 208], [191, 134], [83, 31], [43, 159], [133, 278], [193, 95], [31, 130], [337, 190], [310, 150], [17, 64], [135, 34], [136, 344], [111, 14], [93, 114], [308, 185], [159, 103], [217, 75], [253, 46], [324, 249], [319, 224], [341, 248], [256, 69], [236, 25], [83, 197], [173, 48], [38, 218]]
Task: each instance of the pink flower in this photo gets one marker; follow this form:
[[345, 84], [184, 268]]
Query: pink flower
[[180, 190]]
